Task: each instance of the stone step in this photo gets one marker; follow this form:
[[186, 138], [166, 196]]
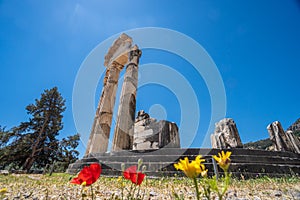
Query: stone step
[[243, 161], [238, 167], [175, 158], [195, 151]]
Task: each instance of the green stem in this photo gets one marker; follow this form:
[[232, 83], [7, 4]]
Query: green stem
[[138, 193], [129, 195], [82, 196], [197, 189], [92, 192], [122, 191], [206, 188], [227, 180]]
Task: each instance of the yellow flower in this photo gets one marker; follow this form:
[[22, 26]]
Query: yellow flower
[[223, 160], [3, 190], [191, 169], [204, 173]]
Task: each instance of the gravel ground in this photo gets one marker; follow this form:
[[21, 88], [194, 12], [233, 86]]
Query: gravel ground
[[57, 187]]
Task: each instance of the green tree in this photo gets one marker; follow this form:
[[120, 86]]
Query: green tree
[[4, 136], [43, 127], [35, 143], [67, 152]]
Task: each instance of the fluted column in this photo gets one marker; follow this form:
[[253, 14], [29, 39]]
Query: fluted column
[[99, 137], [123, 135]]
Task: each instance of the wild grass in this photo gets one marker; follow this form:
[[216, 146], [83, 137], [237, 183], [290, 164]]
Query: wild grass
[[57, 186]]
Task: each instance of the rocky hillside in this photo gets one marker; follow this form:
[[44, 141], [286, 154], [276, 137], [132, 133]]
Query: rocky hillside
[[267, 143], [295, 127], [260, 144]]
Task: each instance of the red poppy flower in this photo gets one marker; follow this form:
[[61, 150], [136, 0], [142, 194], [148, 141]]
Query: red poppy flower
[[88, 175], [135, 177]]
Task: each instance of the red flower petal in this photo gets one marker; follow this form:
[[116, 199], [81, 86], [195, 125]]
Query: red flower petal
[[96, 170], [88, 174], [129, 171], [132, 175], [140, 179], [76, 181]]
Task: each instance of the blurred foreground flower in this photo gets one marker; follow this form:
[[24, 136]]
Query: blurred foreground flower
[[223, 160], [3, 190], [191, 169], [88, 175], [132, 174]]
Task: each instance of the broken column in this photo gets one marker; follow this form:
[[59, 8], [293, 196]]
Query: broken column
[[123, 135], [150, 134], [226, 135], [283, 141], [115, 60]]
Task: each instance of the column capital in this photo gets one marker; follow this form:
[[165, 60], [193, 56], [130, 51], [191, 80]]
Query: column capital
[[135, 52], [115, 65]]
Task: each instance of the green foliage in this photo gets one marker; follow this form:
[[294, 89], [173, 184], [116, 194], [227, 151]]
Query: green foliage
[[260, 144], [297, 133], [67, 152], [34, 143]]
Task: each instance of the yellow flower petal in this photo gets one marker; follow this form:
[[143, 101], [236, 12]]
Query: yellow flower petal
[[191, 169], [223, 160], [3, 190]]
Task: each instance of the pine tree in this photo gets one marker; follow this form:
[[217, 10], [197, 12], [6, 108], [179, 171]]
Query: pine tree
[[35, 143], [67, 152], [43, 127]]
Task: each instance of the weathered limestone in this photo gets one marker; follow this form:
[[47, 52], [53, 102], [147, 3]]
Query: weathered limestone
[[118, 52], [152, 134], [226, 135], [123, 135], [115, 60], [283, 141]]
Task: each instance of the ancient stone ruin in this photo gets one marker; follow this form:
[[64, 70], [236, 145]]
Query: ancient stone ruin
[[141, 136], [149, 133], [152, 134], [283, 141], [226, 135]]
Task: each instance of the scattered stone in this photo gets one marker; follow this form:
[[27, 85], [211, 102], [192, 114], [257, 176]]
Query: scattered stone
[[295, 194], [26, 196], [278, 193], [152, 194], [34, 177], [4, 172]]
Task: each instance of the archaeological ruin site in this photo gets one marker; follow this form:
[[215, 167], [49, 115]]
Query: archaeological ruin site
[[157, 142]]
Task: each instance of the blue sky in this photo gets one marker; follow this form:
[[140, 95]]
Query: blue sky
[[255, 46]]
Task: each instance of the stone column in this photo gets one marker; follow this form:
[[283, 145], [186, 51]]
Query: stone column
[[283, 141], [123, 135], [226, 135], [95, 123], [114, 60], [98, 141]]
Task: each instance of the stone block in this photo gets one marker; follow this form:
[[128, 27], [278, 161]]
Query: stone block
[[226, 135], [283, 141], [119, 50], [152, 134]]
